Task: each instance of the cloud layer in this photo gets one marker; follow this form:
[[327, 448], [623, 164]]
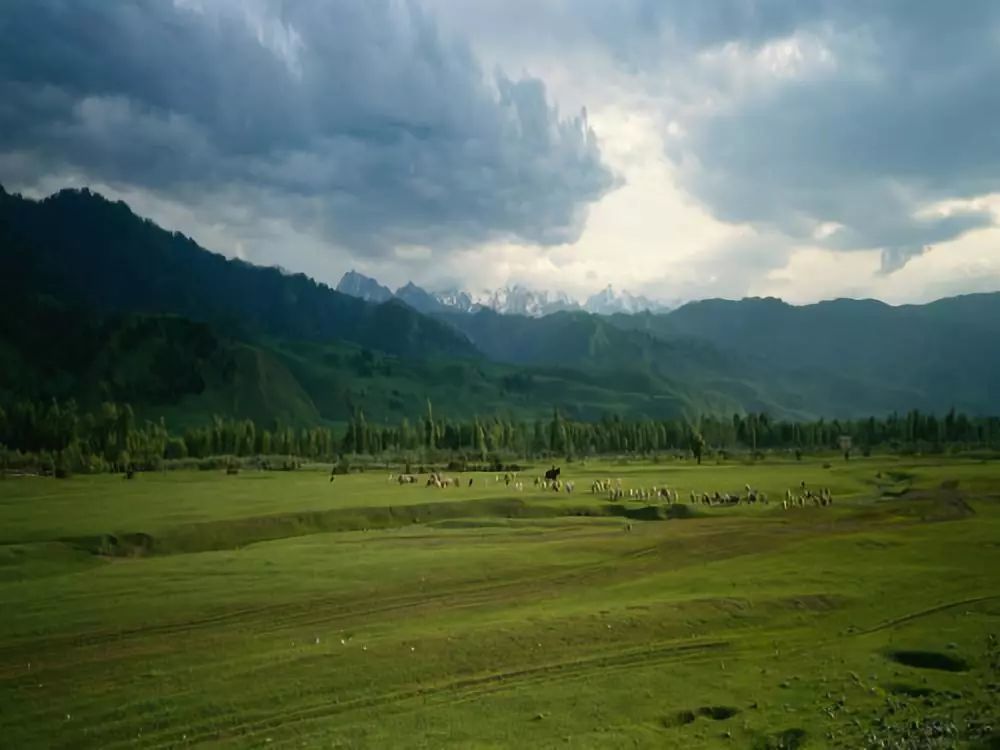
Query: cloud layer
[[733, 147], [846, 128], [357, 117]]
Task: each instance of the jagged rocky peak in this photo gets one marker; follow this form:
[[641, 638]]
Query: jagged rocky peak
[[358, 285], [457, 300], [608, 302], [519, 300], [514, 299]]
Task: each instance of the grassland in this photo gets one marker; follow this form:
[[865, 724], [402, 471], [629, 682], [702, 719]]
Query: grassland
[[283, 610]]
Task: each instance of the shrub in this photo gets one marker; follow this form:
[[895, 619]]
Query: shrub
[[63, 469]]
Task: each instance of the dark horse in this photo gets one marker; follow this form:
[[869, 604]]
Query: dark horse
[[552, 474]]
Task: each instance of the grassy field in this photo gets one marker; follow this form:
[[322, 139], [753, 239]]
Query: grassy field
[[283, 610]]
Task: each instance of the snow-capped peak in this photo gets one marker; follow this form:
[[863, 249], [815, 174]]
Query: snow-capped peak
[[608, 302], [509, 300]]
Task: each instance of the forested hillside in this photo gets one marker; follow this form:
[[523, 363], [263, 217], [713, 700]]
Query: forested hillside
[[932, 356], [83, 249], [97, 304]]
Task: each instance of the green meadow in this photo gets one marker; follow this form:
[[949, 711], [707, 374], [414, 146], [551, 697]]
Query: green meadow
[[280, 609]]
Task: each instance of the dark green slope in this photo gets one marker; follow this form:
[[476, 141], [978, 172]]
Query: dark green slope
[[185, 372], [81, 248], [97, 303], [855, 356], [342, 377], [688, 370], [164, 365]]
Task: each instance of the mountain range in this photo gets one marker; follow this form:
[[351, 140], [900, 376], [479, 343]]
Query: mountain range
[[508, 300], [97, 303]]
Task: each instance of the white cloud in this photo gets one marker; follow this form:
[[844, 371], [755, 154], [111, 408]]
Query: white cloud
[[805, 150]]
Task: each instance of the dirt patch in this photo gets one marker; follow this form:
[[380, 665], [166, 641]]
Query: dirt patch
[[788, 739], [910, 691], [681, 510], [944, 503], [718, 713], [680, 718], [930, 660], [814, 602], [469, 523], [877, 544], [688, 716], [113, 545]]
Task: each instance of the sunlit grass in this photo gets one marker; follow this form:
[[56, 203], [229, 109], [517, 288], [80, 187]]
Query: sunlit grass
[[489, 617]]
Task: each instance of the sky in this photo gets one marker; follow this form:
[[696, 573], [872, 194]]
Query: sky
[[804, 149]]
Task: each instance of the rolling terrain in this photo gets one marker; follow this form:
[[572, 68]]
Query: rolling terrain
[[364, 613], [98, 304], [85, 250], [858, 353]]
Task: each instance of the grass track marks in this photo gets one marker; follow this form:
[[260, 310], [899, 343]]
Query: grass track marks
[[465, 689], [926, 613]]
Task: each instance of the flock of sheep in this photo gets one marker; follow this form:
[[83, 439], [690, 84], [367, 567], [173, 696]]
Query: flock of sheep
[[805, 495], [614, 490]]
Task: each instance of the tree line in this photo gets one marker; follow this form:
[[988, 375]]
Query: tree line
[[62, 437]]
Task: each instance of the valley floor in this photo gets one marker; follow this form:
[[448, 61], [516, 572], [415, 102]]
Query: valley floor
[[285, 610]]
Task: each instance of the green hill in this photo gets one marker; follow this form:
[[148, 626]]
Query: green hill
[[853, 356], [184, 371], [99, 304], [81, 248]]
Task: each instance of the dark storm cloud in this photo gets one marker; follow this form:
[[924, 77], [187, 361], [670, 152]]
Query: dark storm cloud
[[904, 116], [354, 115]]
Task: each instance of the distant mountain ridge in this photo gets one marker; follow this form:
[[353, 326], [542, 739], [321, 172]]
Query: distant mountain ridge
[[508, 300], [97, 304], [81, 248]]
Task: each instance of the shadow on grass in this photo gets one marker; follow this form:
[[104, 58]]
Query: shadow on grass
[[929, 660], [236, 533]]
